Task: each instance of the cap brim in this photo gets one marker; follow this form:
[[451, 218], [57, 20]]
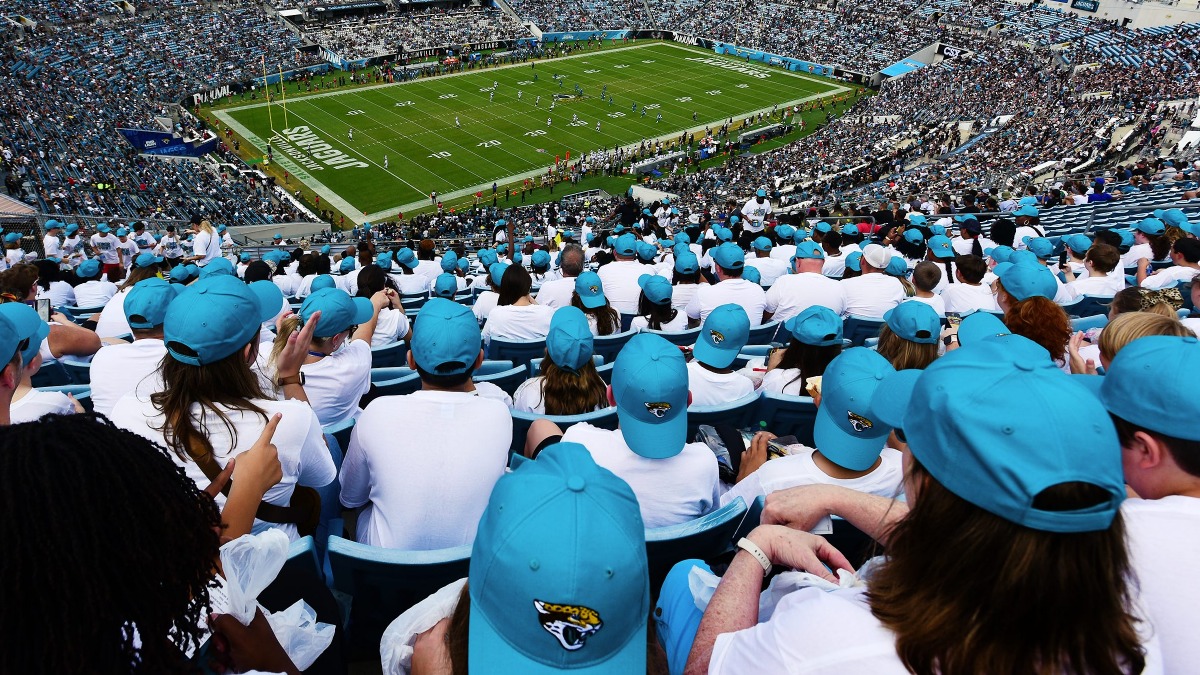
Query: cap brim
[[891, 397], [270, 299], [592, 301], [363, 310], [713, 356], [488, 652], [854, 452]]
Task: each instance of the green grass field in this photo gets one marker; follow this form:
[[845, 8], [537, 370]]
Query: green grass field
[[507, 138]]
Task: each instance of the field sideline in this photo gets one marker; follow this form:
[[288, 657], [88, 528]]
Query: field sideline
[[405, 140]]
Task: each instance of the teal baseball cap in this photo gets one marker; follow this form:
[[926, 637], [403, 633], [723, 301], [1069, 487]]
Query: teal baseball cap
[[914, 236], [626, 245], [977, 326], [656, 289], [245, 257], [590, 290], [687, 263], [808, 250], [182, 274], [217, 316], [1000, 254], [937, 230], [847, 430], [339, 311], [407, 258], [487, 257], [569, 342], [802, 234], [854, 261], [823, 227], [818, 326], [325, 249], [1026, 211], [122, 232], [785, 232], [577, 601], [725, 331], [72, 228], [650, 386], [29, 327], [645, 251], [12, 237], [850, 230], [10, 339], [346, 266], [724, 234], [1027, 200], [733, 220], [1078, 242], [277, 236], [1150, 226], [446, 338], [1152, 383], [445, 286], [321, 281], [761, 193], [449, 261], [1025, 280], [762, 244], [217, 266], [222, 228], [88, 268], [940, 245], [890, 409], [496, 273], [540, 260], [915, 218], [517, 258], [1041, 247], [464, 264], [729, 256], [914, 321], [752, 274], [103, 228], [897, 266], [146, 305], [997, 423], [681, 238]]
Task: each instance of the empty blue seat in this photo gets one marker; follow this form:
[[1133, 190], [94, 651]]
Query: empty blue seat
[[734, 414], [683, 338], [788, 415], [704, 538], [519, 352], [508, 380], [1088, 322], [385, 582], [491, 368], [858, 328], [764, 334], [81, 373], [81, 392], [390, 356], [341, 433], [1088, 305], [399, 386]]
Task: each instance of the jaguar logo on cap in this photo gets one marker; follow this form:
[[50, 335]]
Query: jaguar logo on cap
[[717, 336], [858, 422], [569, 624], [659, 410], [594, 289]]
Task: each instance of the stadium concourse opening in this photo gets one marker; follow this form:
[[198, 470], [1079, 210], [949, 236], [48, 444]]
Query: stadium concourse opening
[[376, 151]]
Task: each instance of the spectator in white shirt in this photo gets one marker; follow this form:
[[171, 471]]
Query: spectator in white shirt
[[118, 369], [873, 293], [969, 294], [51, 244], [620, 276], [486, 301], [1098, 264], [769, 268], [517, 316], [421, 492], [112, 320], [590, 296], [793, 293], [557, 292], [29, 404], [675, 481], [52, 284], [406, 277], [655, 310], [206, 245], [925, 278], [729, 262], [711, 377], [909, 335], [569, 383], [1185, 254], [816, 341], [685, 279], [93, 292]]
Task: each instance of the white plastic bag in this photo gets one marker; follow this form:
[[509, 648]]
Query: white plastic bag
[[396, 646], [251, 562], [300, 635]]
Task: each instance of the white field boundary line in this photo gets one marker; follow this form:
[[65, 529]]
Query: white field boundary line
[[345, 207]]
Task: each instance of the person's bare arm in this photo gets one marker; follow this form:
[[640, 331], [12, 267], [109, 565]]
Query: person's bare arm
[[256, 471], [68, 339], [803, 507], [291, 357], [381, 299]]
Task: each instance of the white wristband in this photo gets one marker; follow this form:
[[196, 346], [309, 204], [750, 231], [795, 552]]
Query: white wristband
[[753, 549]]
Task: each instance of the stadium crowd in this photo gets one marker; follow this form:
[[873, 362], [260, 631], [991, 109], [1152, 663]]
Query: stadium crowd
[[381, 35]]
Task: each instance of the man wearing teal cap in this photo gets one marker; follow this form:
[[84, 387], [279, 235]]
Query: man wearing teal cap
[[807, 286], [675, 481], [118, 369], [711, 377], [769, 267], [104, 247], [391, 474], [728, 263], [620, 276]]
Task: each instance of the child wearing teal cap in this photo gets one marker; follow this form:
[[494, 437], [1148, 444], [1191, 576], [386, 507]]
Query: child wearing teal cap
[[909, 335]]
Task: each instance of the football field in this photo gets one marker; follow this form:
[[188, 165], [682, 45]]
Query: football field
[[373, 151]]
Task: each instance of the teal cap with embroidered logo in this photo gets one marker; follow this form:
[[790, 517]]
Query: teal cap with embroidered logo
[[650, 386], [847, 430], [725, 331]]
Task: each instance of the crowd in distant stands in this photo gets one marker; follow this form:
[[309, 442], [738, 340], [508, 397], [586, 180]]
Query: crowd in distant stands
[[573, 15], [394, 32]]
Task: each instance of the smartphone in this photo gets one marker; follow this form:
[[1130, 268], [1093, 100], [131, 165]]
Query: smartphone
[[953, 318], [43, 309]]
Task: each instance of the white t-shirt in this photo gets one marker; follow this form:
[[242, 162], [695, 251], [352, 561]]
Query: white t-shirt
[[119, 369], [513, 322], [60, 293], [682, 294], [936, 302], [669, 491], [391, 326], [1169, 276], [112, 321], [206, 244], [287, 283], [1101, 286], [754, 214], [107, 245], [872, 295], [798, 468], [679, 323], [425, 483], [334, 384], [37, 404], [795, 293], [1192, 325], [484, 304], [556, 293], [620, 280], [52, 246], [784, 252], [966, 298], [94, 293], [770, 269], [298, 439], [738, 291], [709, 388], [1135, 253], [834, 266], [780, 381], [1163, 536]]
